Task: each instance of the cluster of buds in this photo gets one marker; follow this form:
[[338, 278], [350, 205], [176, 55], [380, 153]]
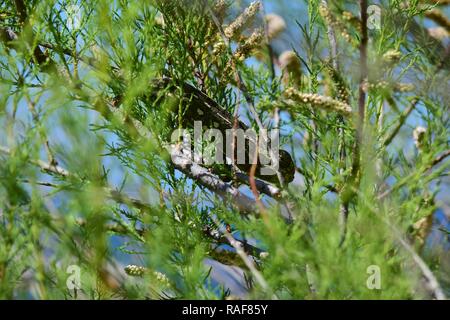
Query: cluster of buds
[[316, 100], [334, 23], [347, 15], [385, 85], [219, 47], [234, 29], [138, 271], [275, 25], [220, 9], [251, 43], [340, 91], [161, 277], [381, 84], [392, 57], [291, 68], [378, 85], [403, 87], [350, 17], [135, 271]]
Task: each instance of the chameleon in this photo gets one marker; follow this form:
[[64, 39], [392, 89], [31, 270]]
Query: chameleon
[[197, 106]]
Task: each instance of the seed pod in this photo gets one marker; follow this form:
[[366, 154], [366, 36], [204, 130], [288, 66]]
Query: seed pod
[[275, 25], [316, 100]]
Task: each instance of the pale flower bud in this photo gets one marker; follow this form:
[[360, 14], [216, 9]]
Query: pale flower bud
[[318, 101], [290, 67], [250, 44], [439, 33], [263, 255], [275, 25], [392, 56], [418, 136], [159, 20], [235, 28]]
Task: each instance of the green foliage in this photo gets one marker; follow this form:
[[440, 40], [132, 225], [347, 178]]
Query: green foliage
[[86, 180]]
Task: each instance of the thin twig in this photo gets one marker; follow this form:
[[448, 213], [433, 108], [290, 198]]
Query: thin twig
[[220, 238], [400, 121], [343, 214], [110, 192], [260, 185], [50, 155], [45, 166], [363, 73], [87, 60], [343, 210], [433, 283], [246, 259]]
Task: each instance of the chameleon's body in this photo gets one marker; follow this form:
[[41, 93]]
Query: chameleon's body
[[197, 106]]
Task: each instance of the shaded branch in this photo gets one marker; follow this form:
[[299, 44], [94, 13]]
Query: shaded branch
[[439, 159], [220, 238], [246, 259], [110, 192], [204, 177], [433, 284]]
